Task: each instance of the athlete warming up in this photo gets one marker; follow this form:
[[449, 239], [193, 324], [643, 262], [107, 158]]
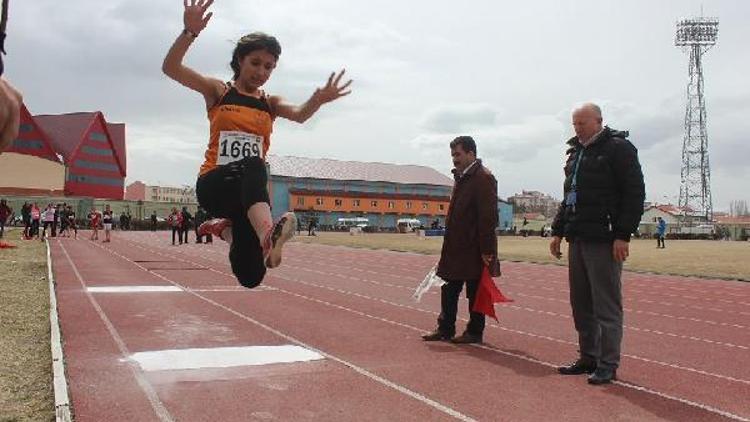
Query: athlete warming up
[[232, 180]]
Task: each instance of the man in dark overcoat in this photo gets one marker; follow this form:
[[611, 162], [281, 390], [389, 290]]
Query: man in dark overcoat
[[470, 241]]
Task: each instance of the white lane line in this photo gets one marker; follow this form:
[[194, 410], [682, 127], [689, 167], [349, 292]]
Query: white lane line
[[636, 277], [528, 309], [59, 382], [643, 389], [364, 372], [554, 314], [524, 333], [532, 360], [153, 398], [133, 289], [222, 357]]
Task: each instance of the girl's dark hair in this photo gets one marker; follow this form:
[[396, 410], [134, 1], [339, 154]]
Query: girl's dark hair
[[250, 43]]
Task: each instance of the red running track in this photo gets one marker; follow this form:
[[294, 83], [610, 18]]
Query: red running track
[[685, 349]]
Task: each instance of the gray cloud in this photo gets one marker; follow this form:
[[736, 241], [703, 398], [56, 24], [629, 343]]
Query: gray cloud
[[424, 72]]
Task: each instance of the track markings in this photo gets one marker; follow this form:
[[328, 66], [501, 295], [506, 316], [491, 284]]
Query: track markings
[[222, 357]]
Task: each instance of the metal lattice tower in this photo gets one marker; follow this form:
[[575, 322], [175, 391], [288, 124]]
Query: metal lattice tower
[[696, 36]]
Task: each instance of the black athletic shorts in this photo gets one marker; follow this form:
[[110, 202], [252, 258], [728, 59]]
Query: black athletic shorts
[[228, 191]]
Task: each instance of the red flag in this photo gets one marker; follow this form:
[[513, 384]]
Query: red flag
[[488, 295]]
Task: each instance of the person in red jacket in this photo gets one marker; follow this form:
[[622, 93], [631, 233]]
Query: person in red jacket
[[175, 222], [95, 219]]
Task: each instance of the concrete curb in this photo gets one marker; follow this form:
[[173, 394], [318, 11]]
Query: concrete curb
[[60, 383]]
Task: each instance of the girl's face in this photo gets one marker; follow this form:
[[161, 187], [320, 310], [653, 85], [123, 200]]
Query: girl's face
[[256, 68]]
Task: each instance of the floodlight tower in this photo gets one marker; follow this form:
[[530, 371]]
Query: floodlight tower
[[696, 36]]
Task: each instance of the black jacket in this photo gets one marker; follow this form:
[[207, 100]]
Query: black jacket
[[610, 190]]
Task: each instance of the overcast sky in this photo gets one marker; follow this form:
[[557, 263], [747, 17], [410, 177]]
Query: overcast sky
[[506, 72]]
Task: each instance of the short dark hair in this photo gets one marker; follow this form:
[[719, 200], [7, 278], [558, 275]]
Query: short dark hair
[[467, 144], [252, 42]]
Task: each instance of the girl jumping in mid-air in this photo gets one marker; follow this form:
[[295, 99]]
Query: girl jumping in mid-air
[[232, 180]]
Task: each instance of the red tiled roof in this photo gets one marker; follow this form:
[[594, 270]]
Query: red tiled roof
[[742, 219], [47, 151], [672, 209], [324, 168], [66, 133], [66, 130]]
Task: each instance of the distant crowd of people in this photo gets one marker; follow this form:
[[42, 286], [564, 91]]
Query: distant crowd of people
[[61, 220]]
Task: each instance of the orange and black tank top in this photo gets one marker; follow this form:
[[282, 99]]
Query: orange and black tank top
[[240, 126]]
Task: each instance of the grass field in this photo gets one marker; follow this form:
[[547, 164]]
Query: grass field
[[702, 258], [25, 357]]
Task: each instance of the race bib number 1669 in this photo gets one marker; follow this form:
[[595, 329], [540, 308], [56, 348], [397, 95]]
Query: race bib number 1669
[[235, 146]]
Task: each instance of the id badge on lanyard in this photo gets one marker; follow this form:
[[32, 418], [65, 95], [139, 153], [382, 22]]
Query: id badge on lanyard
[[235, 145], [572, 197]]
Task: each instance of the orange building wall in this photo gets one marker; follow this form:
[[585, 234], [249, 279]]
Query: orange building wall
[[365, 205]]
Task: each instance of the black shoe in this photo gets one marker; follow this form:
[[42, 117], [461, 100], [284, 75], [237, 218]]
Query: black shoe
[[603, 375], [579, 367], [466, 338], [437, 335]]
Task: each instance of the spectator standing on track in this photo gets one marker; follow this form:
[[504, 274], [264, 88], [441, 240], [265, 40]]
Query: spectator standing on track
[[200, 218], [94, 221], [48, 218], [107, 216], [175, 222], [602, 207], [26, 217], [36, 215], [56, 219], [63, 214], [71, 216], [470, 242], [153, 221], [187, 218]]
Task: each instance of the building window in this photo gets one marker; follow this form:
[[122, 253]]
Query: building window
[[300, 200], [425, 205], [373, 203], [98, 136], [391, 205], [408, 205], [337, 202], [441, 207], [319, 201], [355, 202]]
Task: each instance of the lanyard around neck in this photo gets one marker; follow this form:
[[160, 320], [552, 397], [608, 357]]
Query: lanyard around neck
[[574, 183]]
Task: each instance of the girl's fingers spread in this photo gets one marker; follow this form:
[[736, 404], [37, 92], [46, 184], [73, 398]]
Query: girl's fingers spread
[[208, 4], [184, 2], [346, 85], [207, 18], [338, 77], [330, 79]]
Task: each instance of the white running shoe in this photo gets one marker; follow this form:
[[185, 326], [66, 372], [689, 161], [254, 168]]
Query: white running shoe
[[282, 231]]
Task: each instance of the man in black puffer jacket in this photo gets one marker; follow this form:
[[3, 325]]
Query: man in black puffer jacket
[[602, 206]]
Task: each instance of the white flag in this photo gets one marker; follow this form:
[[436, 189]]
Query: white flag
[[431, 279]]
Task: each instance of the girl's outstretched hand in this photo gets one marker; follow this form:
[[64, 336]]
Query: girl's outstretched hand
[[195, 18], [332, 91]]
